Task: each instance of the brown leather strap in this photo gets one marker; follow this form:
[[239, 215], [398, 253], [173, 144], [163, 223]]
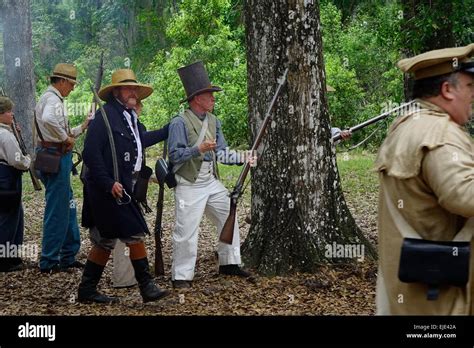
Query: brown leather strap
[[50, 144], [61, 147], [38, 130]]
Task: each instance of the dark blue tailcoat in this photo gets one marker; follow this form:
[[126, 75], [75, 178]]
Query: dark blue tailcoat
[[100, 207]]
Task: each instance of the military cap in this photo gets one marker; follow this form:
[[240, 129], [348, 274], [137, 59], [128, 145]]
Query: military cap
[[439, 62], [6, 104]]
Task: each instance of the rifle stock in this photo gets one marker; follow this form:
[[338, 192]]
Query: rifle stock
[[159, 264], [227, 233]]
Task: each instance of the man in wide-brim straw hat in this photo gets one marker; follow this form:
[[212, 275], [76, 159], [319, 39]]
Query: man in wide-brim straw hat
[[61, 238], [195, 139], [108, 218], [426, 173]]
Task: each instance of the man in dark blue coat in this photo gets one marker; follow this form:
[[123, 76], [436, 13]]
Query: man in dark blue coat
[[110, 212]]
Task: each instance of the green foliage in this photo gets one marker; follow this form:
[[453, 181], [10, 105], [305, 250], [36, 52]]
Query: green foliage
[[360, 56], [195, 19], [362, 42], [199, 32], [437, 24]]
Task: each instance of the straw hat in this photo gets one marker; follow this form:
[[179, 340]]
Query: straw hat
[[65, 71], [125, 77]]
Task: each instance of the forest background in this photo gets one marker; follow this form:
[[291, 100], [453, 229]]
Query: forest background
[[362, 41]]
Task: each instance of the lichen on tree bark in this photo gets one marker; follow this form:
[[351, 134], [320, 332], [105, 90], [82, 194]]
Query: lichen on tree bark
[[298, 208]]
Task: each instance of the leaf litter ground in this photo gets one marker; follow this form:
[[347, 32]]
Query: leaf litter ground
[[344, 289]]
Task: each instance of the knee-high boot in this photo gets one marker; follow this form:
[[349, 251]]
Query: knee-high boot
[[93, 270], [148, 289]]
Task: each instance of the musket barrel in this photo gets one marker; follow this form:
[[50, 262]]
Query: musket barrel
[[227, 232], [261, 132], [373, 120]]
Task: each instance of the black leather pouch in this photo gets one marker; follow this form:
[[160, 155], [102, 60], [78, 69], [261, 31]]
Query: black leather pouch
[[141, 186], [434, 263], [164, 173]]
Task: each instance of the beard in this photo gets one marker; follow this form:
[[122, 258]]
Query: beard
[[131, 102]]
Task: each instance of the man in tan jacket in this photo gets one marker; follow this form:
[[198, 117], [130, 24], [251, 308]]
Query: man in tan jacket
[[426, 173]]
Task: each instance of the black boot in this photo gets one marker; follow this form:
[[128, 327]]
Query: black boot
[[87, 291], [234, 270], [11, 264], [148, 289]]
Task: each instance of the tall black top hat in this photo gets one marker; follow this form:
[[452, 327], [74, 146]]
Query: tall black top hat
[[195, 80]]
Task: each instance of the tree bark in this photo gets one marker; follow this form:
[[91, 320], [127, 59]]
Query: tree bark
[[18, 58], [298, 209]]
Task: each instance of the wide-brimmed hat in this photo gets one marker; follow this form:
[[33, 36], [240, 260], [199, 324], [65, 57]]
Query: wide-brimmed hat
[[196, 80], [125, 77], [439, 62], [65, 71]]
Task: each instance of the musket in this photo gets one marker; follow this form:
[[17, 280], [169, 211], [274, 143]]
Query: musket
[[227, 234], [373, 120], [159, 265], [35, 181], [97, 84]]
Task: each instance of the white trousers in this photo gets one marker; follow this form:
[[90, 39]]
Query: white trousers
[[123, 274], [207, 195]]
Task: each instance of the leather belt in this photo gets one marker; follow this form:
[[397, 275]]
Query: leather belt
[[61, 147]]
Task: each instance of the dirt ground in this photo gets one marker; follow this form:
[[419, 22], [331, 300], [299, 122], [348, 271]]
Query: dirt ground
[[334, 290]]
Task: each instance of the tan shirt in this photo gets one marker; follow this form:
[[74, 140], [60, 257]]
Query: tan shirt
[[10, 151], [52, 118], [426, 171]]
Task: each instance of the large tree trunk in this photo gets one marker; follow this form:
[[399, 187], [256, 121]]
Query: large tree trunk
[[18, 57], [298, 209]]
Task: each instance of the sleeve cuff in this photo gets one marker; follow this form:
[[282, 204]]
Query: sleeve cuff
[[76, 131], [64, 137], [195, 151]]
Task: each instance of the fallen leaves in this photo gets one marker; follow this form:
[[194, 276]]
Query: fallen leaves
[[333, 290]]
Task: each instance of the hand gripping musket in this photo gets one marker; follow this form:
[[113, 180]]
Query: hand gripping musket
[[373, 120], [227, 234], [35, 181]]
